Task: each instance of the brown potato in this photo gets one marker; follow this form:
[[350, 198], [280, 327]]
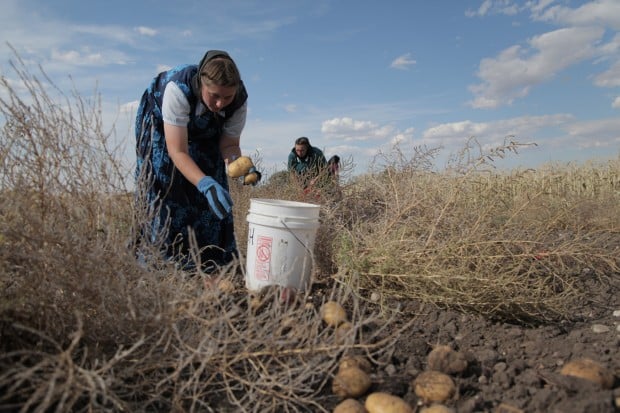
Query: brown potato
[[507, 408], [333, 313], [588, 369], [446, 360], [350, 406], [437, 408], [434, 386], [344, 331], [256, 302], [250, 179], [239, 167], [351, 382], [380, 402], [355, 361], [226, 286]]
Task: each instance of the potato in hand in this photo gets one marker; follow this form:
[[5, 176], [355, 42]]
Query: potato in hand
[[240, 167]]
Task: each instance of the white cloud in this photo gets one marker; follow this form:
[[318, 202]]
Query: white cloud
[[507, 7], [403, 62], [524, 127], [595, 133], [146, 31], [616, 103], [594, 12], [483, 9], [362, 133], [290, 108], [345, 124], [611, 48], [609, 78], [597, 12], [348, 129], [536, 7], [516, 69], [97, 33], [405, 136], [560, 131], [452, 130], [76, 58]]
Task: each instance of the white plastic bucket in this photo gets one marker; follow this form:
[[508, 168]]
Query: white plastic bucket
[[281, 238]]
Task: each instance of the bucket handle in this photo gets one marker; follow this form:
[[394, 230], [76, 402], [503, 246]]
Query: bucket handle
[[297, 238]]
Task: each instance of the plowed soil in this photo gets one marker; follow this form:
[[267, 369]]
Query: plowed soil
[[512, 368]]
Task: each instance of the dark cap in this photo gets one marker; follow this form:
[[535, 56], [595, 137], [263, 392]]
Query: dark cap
[[212, 54]]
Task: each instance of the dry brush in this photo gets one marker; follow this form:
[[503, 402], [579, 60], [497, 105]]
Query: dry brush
[[85, 327], [519, 245]]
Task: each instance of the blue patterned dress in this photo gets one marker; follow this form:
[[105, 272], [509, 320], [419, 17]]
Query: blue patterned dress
[[174, 207]]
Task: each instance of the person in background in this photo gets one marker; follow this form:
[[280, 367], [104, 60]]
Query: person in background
[[332, 188], [333, 167], [188, 127], [306, 162]]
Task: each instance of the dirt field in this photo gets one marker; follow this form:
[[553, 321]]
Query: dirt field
[[512, 368]]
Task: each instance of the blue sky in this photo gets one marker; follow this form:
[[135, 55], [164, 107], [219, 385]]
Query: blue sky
[[355, 77]]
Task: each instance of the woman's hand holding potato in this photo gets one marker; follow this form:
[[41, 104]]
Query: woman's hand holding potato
[[244, 167]]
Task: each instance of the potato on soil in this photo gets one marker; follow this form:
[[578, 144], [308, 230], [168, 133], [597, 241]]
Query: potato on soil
[[588, 369], [434, 386], [350, 406], [358, 361], [239, 166], [255, 302], [507, 408], [351, 382], [226, 286], [437, 408], [446, 360], [333, 314], [343, 331], [380, 402]]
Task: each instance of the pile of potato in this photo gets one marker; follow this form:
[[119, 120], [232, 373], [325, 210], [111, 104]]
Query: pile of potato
[[334, 315], [353, 380], [434, 386]]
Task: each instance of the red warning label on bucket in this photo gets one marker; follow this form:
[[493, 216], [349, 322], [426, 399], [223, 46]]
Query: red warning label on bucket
[[263, 258]]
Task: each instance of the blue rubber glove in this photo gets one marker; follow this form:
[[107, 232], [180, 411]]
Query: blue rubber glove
[[220, 202]]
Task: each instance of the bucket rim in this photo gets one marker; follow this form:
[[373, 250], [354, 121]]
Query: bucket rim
[[283, 224], [284, 203]]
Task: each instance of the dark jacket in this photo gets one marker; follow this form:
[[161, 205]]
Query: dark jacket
[[312, 164]]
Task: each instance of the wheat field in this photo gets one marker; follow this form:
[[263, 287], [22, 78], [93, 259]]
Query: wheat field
[[85, 327]]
